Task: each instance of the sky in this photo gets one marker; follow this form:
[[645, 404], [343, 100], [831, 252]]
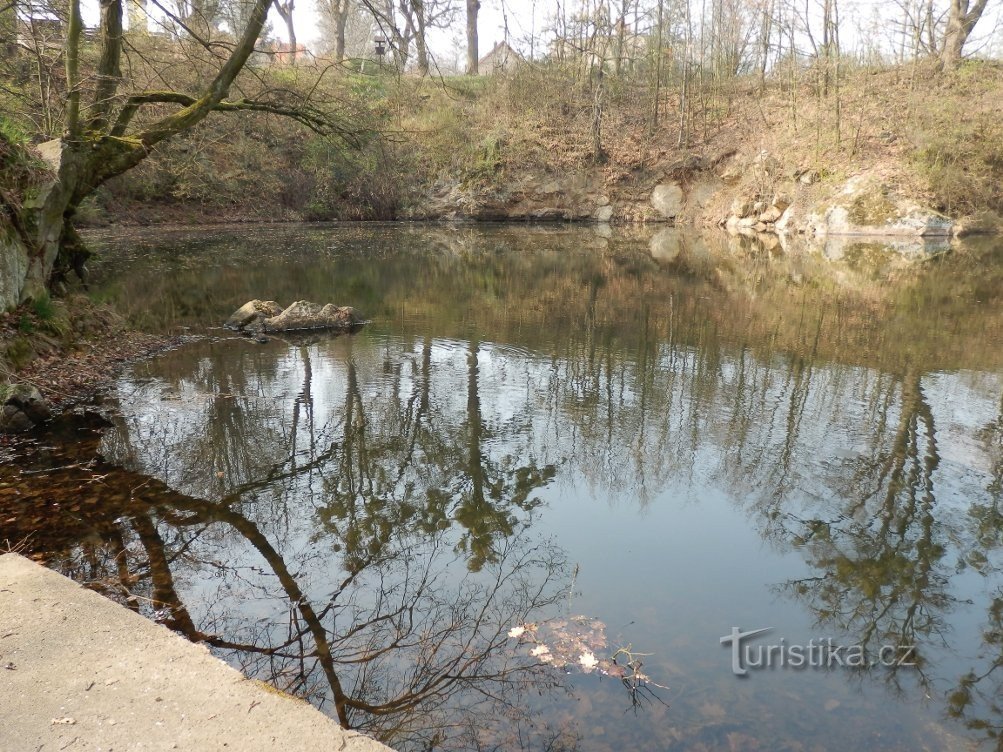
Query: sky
[[861, 21]]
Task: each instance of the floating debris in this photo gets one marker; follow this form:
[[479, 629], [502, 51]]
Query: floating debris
[[573, 644]]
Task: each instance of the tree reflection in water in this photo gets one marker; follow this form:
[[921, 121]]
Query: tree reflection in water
[[355, 520], [371, 569]]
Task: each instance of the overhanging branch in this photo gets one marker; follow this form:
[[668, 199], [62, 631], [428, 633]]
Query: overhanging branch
[[311, 117]]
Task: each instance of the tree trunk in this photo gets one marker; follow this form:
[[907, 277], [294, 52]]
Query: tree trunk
[[340, 22], [473, 6], [420, 46], [8, 30], [598, 152], [960, 23], [96, 146]]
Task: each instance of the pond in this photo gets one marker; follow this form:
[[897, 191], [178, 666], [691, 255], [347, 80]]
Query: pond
[[527, 506]]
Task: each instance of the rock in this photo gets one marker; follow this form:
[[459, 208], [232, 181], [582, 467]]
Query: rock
[[767, 164], [603, 200], [759, 207], [252, 312], [747, 221], [604, 213], [760, 227], [306, 315], [667, 200], [772, 214], [809, 177], [781, 201], [13, 420], [700, 194], [23, 408], [741, 207], [785, 219], [546, 213], [867, 207]]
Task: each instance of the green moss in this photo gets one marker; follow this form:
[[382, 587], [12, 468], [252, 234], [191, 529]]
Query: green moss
[[872, 209], [19, 352]]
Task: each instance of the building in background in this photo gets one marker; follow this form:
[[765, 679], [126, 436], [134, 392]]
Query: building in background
[[501, 59]]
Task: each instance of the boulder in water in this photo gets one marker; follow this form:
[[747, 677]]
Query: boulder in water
[[252, 312], [257, 316], [306, 315], [23, 408]]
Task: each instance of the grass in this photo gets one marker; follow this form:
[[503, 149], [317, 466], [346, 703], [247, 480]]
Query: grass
[[44, 308], [936, 138]]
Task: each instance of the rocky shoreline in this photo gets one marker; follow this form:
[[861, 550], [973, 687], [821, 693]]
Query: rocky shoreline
[[62, 372], [740, 192]]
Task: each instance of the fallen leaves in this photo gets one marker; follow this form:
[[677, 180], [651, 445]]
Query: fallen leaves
[[565, 643], [571, 644]]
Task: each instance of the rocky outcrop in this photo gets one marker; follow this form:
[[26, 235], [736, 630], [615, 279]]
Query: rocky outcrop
[[672, 195], [868, 207], [257, 316], [251, 313], [13, 268], [23, 408], [757, 215]]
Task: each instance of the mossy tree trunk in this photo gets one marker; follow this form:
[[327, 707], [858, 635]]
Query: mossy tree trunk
[[100, 142]]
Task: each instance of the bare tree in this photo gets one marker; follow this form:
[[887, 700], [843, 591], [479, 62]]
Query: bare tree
[[285, 10], [961, 22], [406, 24], [337, 13]]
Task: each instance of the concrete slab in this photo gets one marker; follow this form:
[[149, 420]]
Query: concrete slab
[[80, 672]]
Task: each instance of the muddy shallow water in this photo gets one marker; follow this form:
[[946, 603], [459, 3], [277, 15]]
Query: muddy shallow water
[[522, 507]]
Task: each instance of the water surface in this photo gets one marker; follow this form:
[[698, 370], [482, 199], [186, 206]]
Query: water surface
[[541, 424]]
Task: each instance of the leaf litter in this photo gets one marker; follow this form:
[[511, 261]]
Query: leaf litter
[[579, 643]]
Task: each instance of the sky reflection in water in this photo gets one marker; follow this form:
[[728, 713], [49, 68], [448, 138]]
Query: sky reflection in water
[[541, 424]]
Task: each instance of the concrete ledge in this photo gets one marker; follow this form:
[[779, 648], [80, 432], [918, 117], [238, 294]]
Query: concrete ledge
[[78, 671]]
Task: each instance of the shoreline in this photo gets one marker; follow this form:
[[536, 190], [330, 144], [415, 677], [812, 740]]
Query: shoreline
[[73, 355]]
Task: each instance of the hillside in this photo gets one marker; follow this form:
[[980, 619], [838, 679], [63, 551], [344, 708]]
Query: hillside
[[523, 146]]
